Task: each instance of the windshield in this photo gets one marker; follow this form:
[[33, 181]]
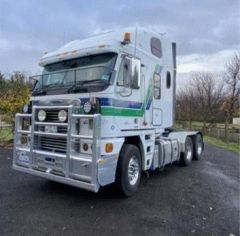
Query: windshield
[[86, 74]]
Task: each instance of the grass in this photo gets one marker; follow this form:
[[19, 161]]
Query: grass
[[234, 147], [6, 136]]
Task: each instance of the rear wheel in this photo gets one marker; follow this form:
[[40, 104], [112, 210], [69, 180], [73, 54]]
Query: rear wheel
[[197, 147], [188, 154], [129, 170]]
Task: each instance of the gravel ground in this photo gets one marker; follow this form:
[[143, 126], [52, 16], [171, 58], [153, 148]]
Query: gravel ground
[[202, 199]]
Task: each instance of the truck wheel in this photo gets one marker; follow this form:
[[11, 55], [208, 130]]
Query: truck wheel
[[188, 154], [129, 170], [197, 147]]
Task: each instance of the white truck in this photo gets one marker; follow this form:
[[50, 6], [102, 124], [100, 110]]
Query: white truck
[[102, 111]]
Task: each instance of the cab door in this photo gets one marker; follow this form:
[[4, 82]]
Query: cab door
[[128, 95]]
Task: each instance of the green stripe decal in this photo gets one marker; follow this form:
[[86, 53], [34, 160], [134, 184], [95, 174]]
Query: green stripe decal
[[111, 111]]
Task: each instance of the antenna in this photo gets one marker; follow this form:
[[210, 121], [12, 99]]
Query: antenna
[[135, 46]]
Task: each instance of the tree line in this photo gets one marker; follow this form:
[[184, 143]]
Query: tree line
[[211, 99]]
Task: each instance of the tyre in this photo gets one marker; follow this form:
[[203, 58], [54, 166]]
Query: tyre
[[197, 147], [129, 170], [188, 154]]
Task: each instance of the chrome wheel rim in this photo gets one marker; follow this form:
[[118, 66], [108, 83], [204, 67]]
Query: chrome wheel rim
[[188, 151], [133, 170]]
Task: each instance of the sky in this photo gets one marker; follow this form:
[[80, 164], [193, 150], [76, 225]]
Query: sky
[[207, 32]]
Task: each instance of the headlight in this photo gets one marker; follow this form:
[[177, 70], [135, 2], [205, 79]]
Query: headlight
[[25, 108], [42, 115], [62, 115], [87, 107]]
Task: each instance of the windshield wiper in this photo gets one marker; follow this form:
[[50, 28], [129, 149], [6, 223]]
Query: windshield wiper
[[95, 80], [39, 92], [77, 88], [80, 86]]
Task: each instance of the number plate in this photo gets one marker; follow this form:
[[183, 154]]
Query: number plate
[[51, 129]]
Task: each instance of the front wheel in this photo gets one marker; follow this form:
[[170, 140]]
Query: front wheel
[[129, 170]]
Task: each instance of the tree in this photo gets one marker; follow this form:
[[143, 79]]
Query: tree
[[14, 93], [208, 93], [200, 100], [231, 102]]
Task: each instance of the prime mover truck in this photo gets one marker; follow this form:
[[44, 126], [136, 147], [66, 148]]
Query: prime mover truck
[[102, 112]]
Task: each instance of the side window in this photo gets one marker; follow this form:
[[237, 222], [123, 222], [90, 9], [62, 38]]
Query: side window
[[156, 47], [157, 86], [168, 80]]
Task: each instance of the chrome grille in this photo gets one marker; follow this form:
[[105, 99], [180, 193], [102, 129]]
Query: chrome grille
[[52, 115], [50, 144]]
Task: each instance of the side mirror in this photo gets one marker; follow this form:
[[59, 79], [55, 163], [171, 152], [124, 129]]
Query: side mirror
[[33, 81], [135, 74], [127, 66]]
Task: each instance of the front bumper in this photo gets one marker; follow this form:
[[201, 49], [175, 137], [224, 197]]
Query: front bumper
[[60, 179], [71, 167]]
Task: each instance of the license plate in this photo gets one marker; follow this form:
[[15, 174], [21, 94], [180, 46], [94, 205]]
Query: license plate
[[51, 129]]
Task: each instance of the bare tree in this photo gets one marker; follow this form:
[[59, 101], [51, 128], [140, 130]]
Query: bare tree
[[208, 93], [185, 106], [232, 79], [201, 99]]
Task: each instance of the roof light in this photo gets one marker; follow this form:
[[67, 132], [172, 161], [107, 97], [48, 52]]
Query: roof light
[[127, 38]]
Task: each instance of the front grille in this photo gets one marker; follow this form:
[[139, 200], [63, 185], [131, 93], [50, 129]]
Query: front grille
[[52, 116], [50, 144]]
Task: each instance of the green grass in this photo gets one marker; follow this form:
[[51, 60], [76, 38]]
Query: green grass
[[6, 134], [234, 147]]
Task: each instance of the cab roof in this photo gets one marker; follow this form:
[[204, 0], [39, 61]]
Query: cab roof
[[102, 43]]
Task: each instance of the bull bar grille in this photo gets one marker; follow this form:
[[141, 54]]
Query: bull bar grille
[[58, 147]]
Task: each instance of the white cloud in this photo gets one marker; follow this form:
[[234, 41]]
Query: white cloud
[[214, 62]]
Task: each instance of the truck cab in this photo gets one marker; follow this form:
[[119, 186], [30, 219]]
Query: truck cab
[[101, 112]]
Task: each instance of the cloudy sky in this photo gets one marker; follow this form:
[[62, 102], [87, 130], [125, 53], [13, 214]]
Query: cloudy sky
[[206, 31]]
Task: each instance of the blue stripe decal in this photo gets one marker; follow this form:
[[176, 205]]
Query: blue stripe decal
[[118, 103]]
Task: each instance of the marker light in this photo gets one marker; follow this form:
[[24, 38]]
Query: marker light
[[62, 115], [42, 115], [109, 147], [85, 147], [127, 37]]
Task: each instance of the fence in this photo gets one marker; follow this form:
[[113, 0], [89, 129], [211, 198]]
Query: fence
[[215, 130]]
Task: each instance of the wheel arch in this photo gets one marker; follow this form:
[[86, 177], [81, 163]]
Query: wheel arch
[[136, 140]]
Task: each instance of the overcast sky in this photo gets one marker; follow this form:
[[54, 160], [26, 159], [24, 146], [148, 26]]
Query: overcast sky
[[206, 31]]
